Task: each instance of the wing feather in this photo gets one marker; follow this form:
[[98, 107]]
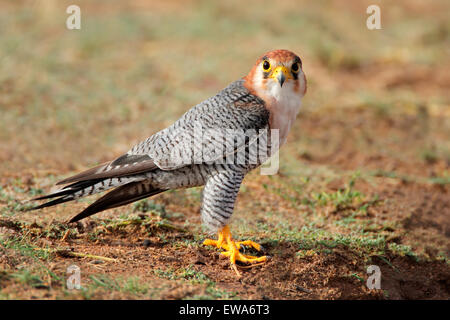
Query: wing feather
[[208, 132], [120, 196], [125, 165]]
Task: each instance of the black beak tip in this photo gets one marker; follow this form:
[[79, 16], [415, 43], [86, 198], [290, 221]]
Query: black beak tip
[[281, 79]]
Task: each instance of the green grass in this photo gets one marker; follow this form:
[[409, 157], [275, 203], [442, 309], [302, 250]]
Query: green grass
[[150, 205], [24, 246], [339, 198], [35, 261], [132, 285], [439, 180], [154, 222], [100, 284], [310, 238], [402, 250], [193, 276], [26, 277], [12, 205]]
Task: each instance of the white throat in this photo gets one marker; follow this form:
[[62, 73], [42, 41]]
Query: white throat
[[284, 107]]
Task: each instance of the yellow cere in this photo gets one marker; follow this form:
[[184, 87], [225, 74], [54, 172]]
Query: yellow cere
[[282, 69]]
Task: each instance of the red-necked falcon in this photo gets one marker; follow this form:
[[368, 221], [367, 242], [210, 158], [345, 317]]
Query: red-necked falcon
[[210, 145]]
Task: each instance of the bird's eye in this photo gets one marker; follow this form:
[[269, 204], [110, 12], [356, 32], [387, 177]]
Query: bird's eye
[[266, 65], [295, 67]]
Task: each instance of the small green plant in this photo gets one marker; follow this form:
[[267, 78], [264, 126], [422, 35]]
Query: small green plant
[[430, 156], [29, 278], [402, 250], [132, 285], [355, 275], [149, 205], [340, 198], [193, 276]]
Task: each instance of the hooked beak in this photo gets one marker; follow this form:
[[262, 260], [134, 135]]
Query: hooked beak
[[281, 78], [280, 74]]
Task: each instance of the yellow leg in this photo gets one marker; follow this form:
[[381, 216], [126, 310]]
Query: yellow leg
[[231, 248]]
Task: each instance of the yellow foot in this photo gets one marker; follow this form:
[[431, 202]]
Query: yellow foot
[[232, 249]]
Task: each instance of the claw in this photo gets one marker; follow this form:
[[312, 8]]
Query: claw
[[231, 248]]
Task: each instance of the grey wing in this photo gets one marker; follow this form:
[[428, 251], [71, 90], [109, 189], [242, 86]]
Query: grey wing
[[210, 131], [234, 112], [226, 123]]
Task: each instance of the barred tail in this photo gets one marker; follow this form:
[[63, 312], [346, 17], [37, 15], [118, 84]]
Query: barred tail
[[82, 189], [121, 196]]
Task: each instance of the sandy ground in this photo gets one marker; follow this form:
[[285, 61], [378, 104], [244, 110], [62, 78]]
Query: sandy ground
[[364, 178]]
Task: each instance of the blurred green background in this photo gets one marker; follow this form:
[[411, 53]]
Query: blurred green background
[[78, 97]]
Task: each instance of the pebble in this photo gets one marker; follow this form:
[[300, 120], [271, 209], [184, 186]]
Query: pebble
[[146, 243]]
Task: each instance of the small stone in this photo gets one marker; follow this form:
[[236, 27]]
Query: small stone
[[146, 243]]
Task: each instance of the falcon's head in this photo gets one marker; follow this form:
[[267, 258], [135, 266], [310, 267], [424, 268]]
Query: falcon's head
[[276, 76]]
